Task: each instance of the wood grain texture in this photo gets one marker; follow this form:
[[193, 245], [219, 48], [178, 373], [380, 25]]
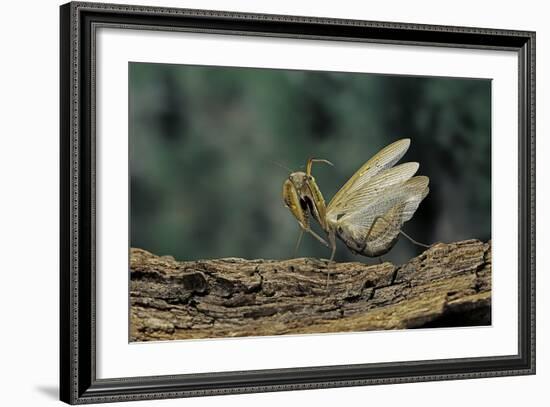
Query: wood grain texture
[[447, 285]]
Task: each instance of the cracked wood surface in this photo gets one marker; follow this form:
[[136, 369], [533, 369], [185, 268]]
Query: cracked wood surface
[[447, 285]]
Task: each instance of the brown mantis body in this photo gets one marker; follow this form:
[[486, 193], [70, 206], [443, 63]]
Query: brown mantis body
[[367, 213]]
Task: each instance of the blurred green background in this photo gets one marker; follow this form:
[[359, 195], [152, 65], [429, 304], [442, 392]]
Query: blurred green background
[[206, 145]]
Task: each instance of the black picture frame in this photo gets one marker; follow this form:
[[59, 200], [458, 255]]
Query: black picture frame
[[78, 382]]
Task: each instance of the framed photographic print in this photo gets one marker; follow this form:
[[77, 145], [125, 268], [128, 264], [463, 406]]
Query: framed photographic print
[[256, 203]]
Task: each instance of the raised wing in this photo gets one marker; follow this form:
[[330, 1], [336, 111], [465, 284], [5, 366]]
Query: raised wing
[[370, 191], [412, 192], [384, 159]]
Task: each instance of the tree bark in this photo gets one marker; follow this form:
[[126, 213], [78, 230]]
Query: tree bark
[[447, 285]]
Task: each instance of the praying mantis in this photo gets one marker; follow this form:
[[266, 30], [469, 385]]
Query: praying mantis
[[368, 211]]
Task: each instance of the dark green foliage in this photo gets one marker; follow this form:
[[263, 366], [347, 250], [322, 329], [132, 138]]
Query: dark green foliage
[[205, 143]]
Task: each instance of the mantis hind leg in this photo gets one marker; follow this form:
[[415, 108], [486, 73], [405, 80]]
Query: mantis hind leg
[[415, 242], [396, 228]]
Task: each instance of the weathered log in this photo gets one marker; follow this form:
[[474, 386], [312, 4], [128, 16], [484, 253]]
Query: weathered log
[[447, 285]]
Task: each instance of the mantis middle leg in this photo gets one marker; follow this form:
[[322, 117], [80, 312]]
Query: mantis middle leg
[[315, 235], [396, 228], [332, 240]]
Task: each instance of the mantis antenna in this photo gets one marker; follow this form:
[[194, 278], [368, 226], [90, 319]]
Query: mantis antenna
[[316, 160], [284, 167]]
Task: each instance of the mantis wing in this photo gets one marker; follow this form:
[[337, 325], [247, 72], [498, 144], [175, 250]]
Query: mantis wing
[[373, 228], [371, 191], [411, 193], [384, 159], [381, 161]]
